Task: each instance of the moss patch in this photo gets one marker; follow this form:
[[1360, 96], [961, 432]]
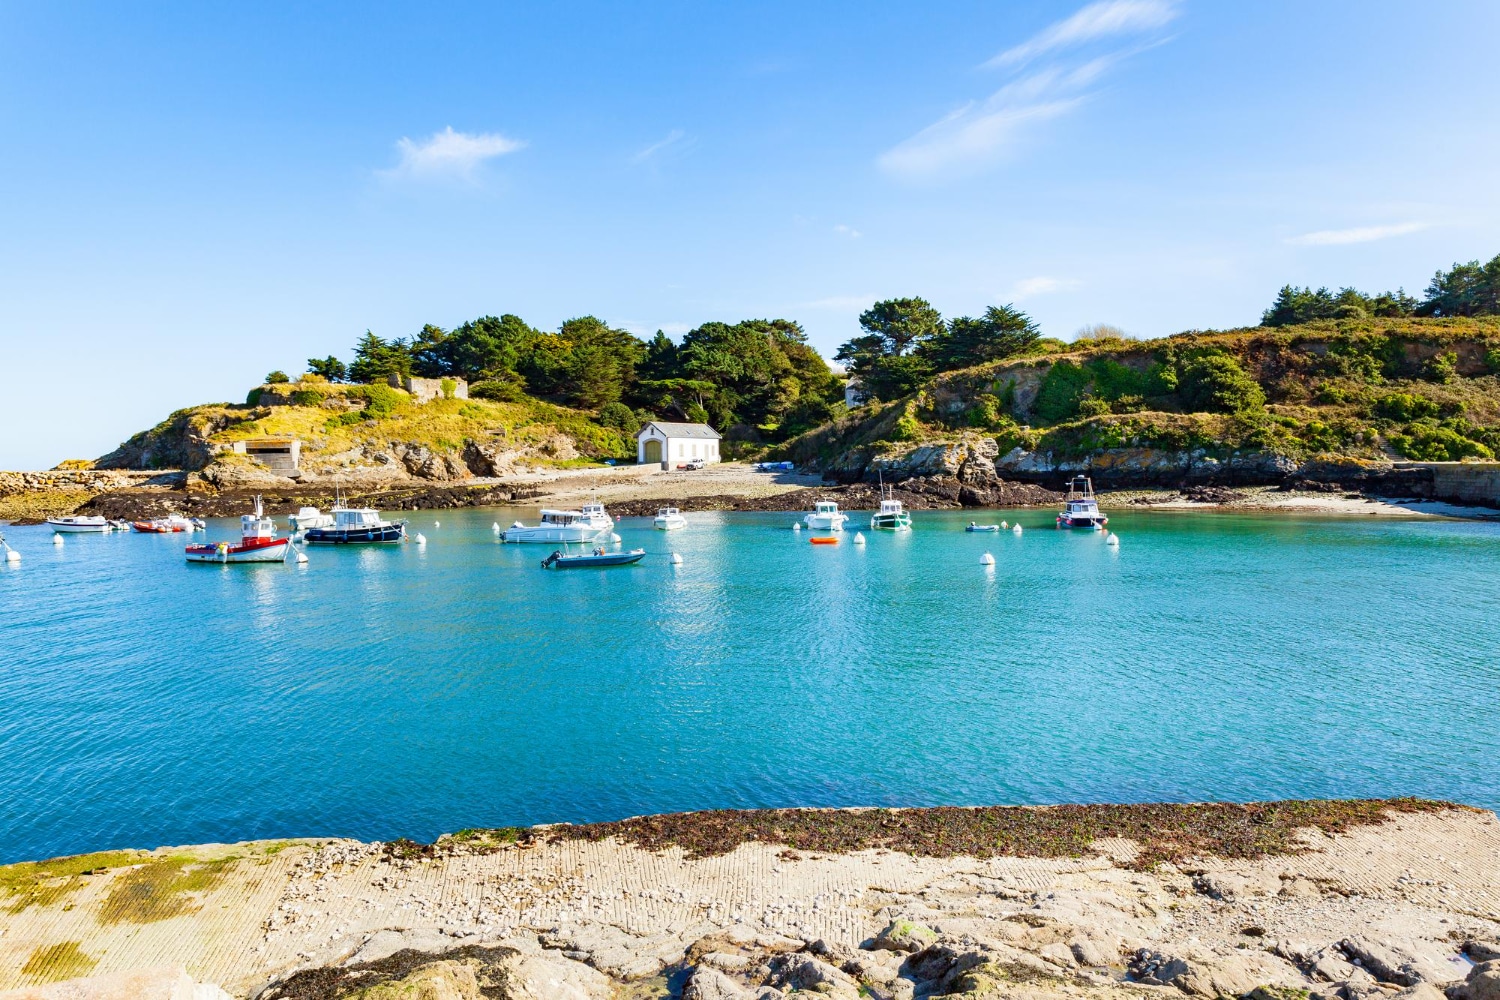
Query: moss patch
[[56, 962], [163, 888], [1164, 831], [38, 883]]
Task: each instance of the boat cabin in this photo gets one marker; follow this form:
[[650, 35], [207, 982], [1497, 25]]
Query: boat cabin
[[563, 517], [356, 517], [890, 506], [825, 507]]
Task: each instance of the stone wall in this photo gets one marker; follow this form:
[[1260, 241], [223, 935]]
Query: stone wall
[[424, 390], [1462, 482]]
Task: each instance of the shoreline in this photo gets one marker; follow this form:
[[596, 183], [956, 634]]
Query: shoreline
[[632, 492], [1336, 898]]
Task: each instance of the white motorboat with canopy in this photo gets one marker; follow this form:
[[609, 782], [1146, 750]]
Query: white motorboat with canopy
[[582, 525]]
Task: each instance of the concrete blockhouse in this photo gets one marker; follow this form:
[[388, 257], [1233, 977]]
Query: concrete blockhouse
[[425, 390], [277, 454]]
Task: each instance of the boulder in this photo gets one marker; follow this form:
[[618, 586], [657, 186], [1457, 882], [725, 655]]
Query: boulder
[[803, 972], [1215, 975], [1405, 963], [1482, 950], [1483, 982], [904, 935], [710, 984], [550, 976]]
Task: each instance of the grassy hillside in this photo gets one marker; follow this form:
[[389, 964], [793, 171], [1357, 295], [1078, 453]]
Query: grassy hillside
[[1366, 388], [354, 425]]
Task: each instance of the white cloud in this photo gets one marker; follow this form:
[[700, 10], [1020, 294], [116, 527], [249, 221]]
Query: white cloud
[[848, 231], [1104, 19], [1359, 234], [672, 138], [1041, 285], [980, 133], [450, 154]]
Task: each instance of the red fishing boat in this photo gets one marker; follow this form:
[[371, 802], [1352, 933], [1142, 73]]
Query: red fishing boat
[[258, 543]]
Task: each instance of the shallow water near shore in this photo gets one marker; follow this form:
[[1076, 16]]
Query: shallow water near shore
[[414, 690]]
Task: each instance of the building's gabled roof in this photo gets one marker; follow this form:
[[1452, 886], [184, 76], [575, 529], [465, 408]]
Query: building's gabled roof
[[676, 430]]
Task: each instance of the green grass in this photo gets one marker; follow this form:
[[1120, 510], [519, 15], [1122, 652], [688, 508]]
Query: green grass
[[40, 883]]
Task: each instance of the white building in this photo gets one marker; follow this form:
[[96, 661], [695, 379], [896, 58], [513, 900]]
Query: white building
[[674, 444]]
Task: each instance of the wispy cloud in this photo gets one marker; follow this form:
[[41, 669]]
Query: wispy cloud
[[449, 153], [848, 231], [1359, 234], [672, 138], [1041, 285], [982, 132], [1105, 19]]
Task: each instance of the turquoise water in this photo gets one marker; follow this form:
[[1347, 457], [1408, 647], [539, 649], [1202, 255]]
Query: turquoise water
[[410, 691]]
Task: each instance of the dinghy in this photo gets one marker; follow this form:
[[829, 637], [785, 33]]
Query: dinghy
[[557, 560], [981, 527]]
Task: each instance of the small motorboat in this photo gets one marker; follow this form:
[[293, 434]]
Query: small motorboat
[[356, 526], [823, 540], [258, 543], [199, 524], [77, 523], [310, 517], [670, 519], [564, 526], [163, 525], [557, 560], [825, 516], [971, 526], [1079, 508], [120, 525], [890, 517]]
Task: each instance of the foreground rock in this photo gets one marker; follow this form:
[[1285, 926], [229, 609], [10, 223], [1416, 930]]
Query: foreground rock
[[1369, 910]]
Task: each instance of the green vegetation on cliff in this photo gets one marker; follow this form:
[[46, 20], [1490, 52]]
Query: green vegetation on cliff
[[1400, 387]]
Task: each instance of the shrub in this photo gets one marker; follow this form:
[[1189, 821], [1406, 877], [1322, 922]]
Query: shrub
[[1215, 383], [906, 428], [448, 387], [1492, 360], [985, 412], [1443, 368], [1092, 406], [697, 414], [344, 419], [277, 378], [1405, 407], [497, 391], [620, 417], [308, 397], [1061, 390], [252, 398], [1431, 443]]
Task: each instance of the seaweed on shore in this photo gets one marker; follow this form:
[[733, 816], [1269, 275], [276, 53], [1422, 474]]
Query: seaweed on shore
[[1164, 832]]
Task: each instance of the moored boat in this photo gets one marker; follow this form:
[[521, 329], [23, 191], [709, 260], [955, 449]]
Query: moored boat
[[583, 525], [164, 525], [971, 526], [825, 516], [356, 526], [78, 523], [258, 543], [310, 517], [1080, 510], [669, 519], [598, 557]]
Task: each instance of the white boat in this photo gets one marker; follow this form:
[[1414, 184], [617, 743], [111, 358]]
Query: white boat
[[258, 543], [1079, 508], [310, 517], [825, 516], [583, 525], [77, 523], [669, 519]]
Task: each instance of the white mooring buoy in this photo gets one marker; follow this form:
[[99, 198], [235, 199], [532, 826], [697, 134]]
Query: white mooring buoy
[[437, 524], [1005, 524], [676, 559], [57, 539], [301, 558], [986, 560], [11, 555], [495, 527], [796, 525], [421, 538], [1113, 539], [1016, 529], [614, 537], [859, 538]]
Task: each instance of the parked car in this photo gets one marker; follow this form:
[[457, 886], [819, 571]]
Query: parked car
[[693, 465]]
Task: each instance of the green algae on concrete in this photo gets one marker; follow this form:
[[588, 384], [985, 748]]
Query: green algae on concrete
[[55, 962], [41, 883], [162, 888]]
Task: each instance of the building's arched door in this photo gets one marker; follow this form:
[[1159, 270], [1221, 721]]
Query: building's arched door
[[653, 450]]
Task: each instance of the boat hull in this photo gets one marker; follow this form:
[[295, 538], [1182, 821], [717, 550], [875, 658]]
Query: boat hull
[[367, 535], [552, 535], [559, 561], [75, 527], [276, 551], [890, 522], [982, 527], [1064, 521], [825, 522], [669, 523], [149, 528]]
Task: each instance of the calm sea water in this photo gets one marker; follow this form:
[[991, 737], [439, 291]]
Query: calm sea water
[[410, 691]]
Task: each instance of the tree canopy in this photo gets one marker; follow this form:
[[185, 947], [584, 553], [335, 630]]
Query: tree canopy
[[1471, 289]]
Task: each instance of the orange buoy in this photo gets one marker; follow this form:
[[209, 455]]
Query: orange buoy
[[824, 541]]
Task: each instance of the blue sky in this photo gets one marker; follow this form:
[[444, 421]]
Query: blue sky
[[194, 195]]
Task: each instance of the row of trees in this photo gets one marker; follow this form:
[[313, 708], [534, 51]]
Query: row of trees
[[755, 374], [906, 342], [1471, 289]]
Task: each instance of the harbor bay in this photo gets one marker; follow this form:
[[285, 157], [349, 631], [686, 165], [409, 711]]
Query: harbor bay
[[411, 690]]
